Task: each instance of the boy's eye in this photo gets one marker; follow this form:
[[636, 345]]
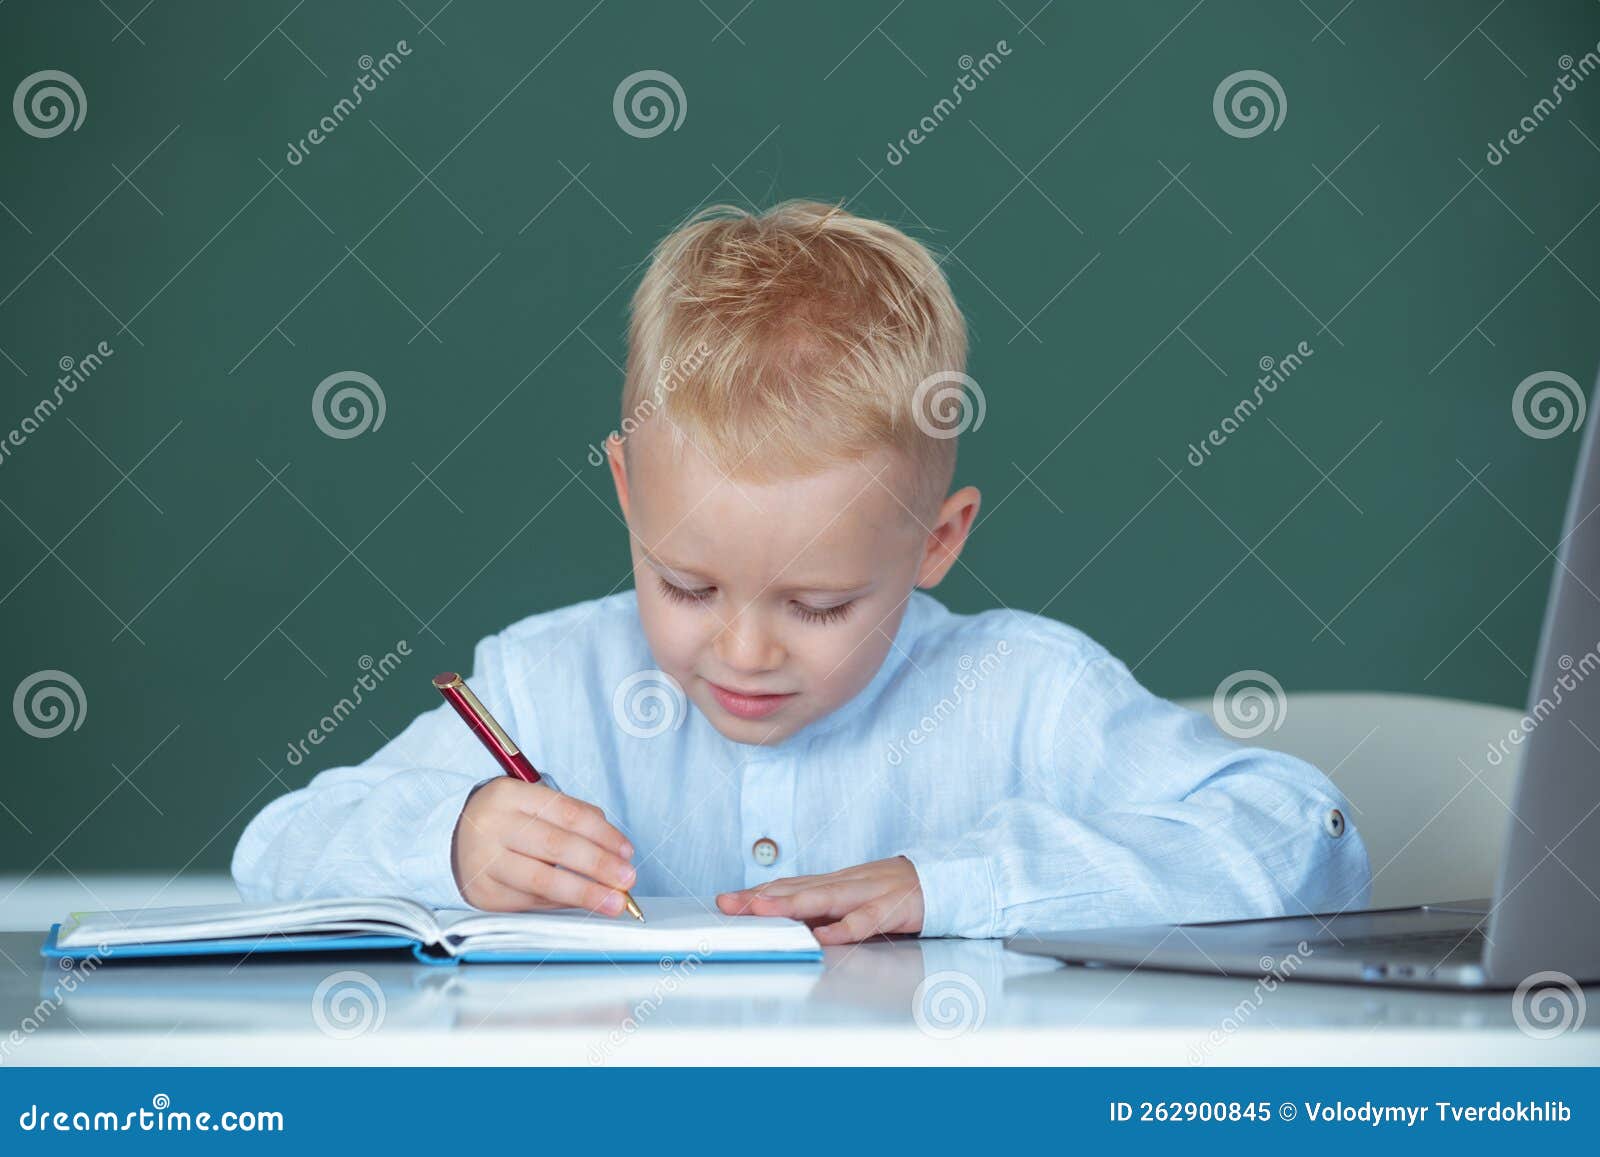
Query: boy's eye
[[680, 595], [807, 614], [823, 615]]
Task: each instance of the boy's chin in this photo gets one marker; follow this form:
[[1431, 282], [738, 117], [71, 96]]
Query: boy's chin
[[755, 732]]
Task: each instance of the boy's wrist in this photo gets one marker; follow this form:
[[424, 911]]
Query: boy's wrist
[[958, 896], [428, 871]]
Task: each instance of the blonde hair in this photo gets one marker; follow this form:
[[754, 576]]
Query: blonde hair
[[793, 339]]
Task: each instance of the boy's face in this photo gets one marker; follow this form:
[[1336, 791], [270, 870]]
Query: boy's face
[[771, 603]]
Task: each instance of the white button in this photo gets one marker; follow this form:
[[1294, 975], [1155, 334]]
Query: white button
[[765, 852], [1333, 823]]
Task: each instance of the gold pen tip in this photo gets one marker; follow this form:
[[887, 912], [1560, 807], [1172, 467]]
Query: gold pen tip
[[633, 908]]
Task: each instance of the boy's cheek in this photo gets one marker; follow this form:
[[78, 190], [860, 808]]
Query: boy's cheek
[[850, 662], [672, 640]]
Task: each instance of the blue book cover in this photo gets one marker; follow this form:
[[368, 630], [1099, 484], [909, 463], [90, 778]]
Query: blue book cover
[[675, 929]]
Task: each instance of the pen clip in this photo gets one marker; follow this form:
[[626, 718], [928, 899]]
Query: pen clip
[[459, 685]]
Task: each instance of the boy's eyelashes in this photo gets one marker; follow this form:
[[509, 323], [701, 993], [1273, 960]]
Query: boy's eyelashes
[[823, 614], [679, 595], [807, 614]]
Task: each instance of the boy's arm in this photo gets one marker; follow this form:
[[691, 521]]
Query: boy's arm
[[385, 827], [1181, 824]]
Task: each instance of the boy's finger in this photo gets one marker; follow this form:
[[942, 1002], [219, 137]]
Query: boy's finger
[[591, 823], [738, 903], [855, 926], [830, 934], [574, 815], [736, 900], [742, 902], [493, 896], [553, 845], [787, 886], [734, 903], [550, 883], [831, 899]]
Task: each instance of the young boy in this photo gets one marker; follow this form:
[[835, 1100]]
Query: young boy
[[856, 755]]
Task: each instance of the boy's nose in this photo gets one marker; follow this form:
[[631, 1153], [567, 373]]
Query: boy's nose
[[744, 644]]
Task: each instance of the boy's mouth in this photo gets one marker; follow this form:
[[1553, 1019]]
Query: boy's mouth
[[747, 706]]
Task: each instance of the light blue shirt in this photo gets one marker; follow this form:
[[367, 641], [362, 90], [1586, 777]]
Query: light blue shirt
[[1029, 777]]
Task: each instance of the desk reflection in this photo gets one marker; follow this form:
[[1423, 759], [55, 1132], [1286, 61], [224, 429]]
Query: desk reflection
[[942, 987]]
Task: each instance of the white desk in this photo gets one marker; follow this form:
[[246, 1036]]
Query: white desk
[[857, 1007]]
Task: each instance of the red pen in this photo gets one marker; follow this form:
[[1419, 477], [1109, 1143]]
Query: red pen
[[506, 753]]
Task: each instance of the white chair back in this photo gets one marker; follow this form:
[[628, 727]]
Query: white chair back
[[1430, 806]]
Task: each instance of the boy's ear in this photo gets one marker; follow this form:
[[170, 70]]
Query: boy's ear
[[948, 535], [619, 471]]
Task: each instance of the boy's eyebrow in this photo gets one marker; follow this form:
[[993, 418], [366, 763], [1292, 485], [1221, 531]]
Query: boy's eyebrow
[[660, 563], [818, 588]]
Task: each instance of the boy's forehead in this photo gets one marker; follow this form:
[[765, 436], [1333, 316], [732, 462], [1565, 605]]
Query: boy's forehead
[[683, 500]]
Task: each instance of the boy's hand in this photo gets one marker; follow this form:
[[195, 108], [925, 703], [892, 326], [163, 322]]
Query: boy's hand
[[841, 907], [522, 845]]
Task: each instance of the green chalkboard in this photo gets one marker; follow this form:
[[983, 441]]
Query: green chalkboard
[[1407, 233]]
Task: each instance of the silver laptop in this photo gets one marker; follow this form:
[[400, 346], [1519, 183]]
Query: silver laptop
[[1545, 915]]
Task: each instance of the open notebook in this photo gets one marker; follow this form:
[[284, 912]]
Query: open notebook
[[677, 929]]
